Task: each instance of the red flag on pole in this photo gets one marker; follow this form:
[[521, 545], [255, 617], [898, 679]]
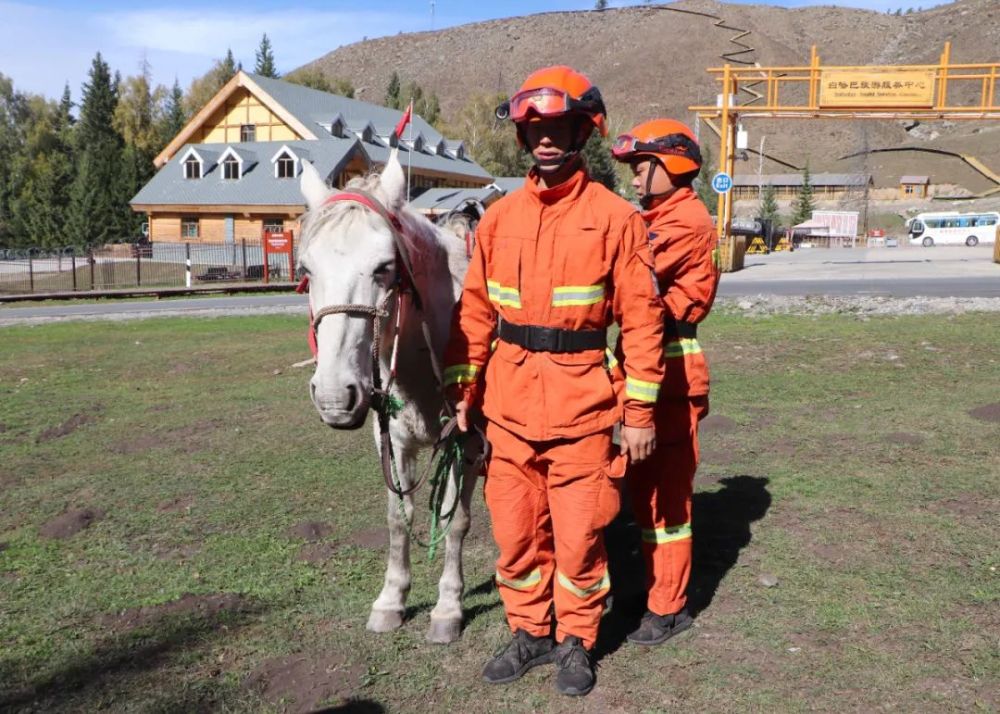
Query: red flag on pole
[[407, 115]]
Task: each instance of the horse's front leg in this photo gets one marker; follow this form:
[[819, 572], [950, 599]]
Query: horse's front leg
[[446, 617], [388, 609]]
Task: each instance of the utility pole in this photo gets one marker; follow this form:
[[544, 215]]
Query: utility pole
[[432, 15]]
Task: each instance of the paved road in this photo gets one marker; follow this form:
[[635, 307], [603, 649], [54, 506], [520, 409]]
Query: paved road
[[910, 272]]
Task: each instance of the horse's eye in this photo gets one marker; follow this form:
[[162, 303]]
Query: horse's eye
[[384, 269]]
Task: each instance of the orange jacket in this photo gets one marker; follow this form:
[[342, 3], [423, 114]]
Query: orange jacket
[[684, 240], [569, 257]]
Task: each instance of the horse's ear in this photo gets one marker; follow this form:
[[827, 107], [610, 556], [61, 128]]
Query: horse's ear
[[314, 189], [393, 182]]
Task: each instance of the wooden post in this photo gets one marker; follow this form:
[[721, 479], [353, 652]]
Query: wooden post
[[31, 273], [72, 259], [138, 266]]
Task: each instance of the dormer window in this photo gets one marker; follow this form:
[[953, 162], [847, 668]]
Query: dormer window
[[284, 166], [418, 143], [192, 168], [248, 132], [231, 168], [337, 128]]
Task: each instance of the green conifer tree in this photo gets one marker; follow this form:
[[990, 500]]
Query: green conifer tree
[[600, 164], [768, 204], [392, 92], [703, 184], [265, 66], [804, 204], [174, 115]]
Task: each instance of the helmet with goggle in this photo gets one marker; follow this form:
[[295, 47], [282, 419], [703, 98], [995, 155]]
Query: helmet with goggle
[[554, 92], [669, 141]]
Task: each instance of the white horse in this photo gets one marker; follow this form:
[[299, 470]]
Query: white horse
[[354, 268]]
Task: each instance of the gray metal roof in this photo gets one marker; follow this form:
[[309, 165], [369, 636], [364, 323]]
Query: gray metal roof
[[317, 109], [442, 200], [915, 179], [509, 183], [258, 185], [796, 179]]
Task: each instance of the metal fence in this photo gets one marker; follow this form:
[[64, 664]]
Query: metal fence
[[130, 265]]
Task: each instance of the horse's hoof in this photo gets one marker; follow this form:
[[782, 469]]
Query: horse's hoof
[[385, 620], [443, 632]]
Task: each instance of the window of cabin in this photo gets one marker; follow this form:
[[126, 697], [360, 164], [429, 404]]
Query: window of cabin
[[274, 225], [285, 167], [189, 227], [248, 132], [192, 168], [909, 189], [230, 168]]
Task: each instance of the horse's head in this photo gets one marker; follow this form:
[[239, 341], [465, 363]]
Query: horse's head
[[349, 255]]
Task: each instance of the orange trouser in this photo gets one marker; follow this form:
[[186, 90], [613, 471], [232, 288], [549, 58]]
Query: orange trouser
[[661, 488], [549, 502]]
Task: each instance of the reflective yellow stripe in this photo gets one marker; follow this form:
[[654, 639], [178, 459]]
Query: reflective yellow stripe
[[666, 535], [603, 584], [502, 294], [567, 295], [526, 583], [461, 374], [643, 391], [681, 347], [610, 361]]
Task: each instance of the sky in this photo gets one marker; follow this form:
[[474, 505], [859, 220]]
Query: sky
[[44, 45]]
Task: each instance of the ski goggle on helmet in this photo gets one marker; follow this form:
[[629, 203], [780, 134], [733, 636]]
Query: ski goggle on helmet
[[667, 140], [553, 92]]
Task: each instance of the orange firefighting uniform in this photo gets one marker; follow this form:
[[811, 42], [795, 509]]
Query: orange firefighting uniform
[[570, 257], [684, 239]]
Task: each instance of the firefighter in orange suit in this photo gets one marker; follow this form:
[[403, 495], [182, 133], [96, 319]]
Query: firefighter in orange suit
[[555, 261], [665, 160]]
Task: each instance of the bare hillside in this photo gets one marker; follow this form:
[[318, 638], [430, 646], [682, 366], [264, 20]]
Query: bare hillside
[[651, 60]]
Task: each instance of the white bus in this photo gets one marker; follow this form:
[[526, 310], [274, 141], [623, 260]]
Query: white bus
[[929, 229]]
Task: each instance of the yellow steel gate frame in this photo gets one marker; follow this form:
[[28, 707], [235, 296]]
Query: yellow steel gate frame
[[831, 93]]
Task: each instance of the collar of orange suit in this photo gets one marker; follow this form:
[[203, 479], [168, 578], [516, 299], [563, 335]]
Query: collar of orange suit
[[568, 190], [664, 213]]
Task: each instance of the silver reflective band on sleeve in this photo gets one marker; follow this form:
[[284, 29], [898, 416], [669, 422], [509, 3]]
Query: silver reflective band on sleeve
[[461, 374], [643, 391], [681, 347], [666, 535], [503, 294]]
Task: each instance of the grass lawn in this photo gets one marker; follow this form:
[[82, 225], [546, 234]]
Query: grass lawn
[[178, 531]]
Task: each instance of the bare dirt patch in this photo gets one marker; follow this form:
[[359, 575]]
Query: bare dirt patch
[[310, 531], [3, 428], [987, 412], [64, 429], [717, 424], [68, 524], [301, 683], [316, 553], [371, 538], [717, 457], [176, 504], [202, 606], [903, 437], [966, 505], [190, 436]]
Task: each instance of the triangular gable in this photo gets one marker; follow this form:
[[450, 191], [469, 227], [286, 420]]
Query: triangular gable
[[241, 79]]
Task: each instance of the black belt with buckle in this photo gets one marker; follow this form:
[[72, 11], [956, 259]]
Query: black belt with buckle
[[551, 339], [677, 329]]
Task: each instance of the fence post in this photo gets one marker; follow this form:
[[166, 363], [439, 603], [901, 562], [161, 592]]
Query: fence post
[[187, 265], [243, 242], [31, 272], [138, 267], [72, 262], [91, 260]]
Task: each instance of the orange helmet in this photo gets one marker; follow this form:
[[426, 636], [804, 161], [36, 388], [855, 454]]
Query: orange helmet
[[556, 91], [669, 141]]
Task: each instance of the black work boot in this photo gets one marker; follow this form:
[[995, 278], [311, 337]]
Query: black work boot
[[576, 675], [656, 629], [523, 652]]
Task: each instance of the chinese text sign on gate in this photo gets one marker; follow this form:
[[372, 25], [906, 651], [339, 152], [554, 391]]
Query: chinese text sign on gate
[[868, 87], [278, 243]]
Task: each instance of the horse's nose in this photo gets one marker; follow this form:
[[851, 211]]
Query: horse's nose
[[339, 405], [352, 397]]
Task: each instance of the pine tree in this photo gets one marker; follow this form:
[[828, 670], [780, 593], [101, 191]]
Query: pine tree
[[703, 184], [228, 68], [13, 113], [96, 205], [804, 204], [174, 115], [768, 204], [601, 5], [265, 59], [600, 164], [392, 98]]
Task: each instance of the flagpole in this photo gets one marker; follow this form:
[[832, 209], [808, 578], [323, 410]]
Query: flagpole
[[409, 152]]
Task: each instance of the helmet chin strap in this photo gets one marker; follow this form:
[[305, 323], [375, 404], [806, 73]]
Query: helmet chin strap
[[649, 198], [552, 165]]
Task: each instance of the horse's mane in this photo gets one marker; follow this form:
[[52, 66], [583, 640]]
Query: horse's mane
[[423, 239]]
